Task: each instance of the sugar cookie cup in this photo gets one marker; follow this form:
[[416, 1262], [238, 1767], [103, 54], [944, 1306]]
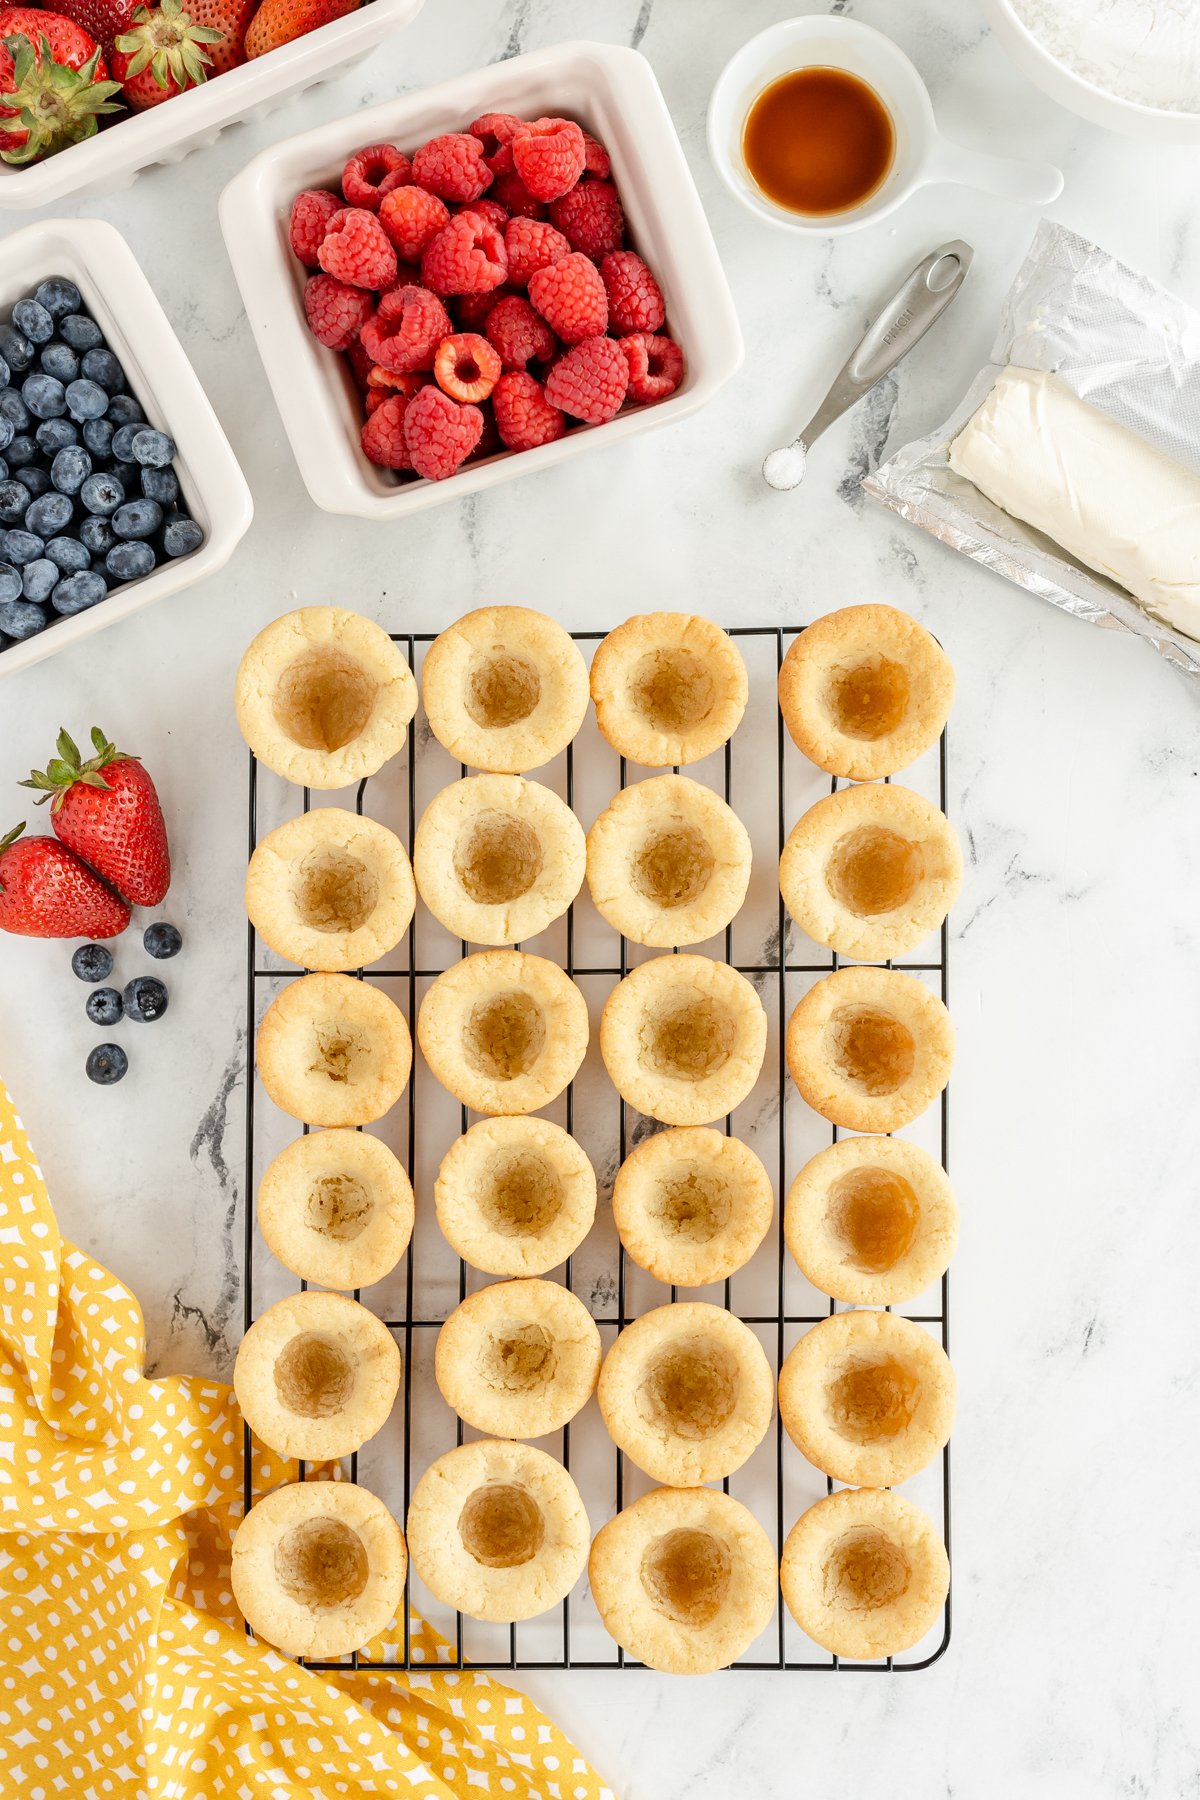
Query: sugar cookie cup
[[333, 1051], [865, 691], [336, 1208], [330, 890], [870, 1049], [871, 871], [318, 1568], [503, 1031], [692, 1205], [683, 1038], [668, 862], [316, 1376], [515, 1196], [498, 1531], [868, 1397], [687, 1393], [324, 697], [864, 1573], [498, 858], [872, 1220], [505, 689], [518, 1359], [668, 688], [684, 1579]]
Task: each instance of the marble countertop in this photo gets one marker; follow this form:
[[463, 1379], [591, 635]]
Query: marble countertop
[[1076, 944]]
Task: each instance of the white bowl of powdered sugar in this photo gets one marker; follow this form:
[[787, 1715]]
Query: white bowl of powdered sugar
[[1133, 65]]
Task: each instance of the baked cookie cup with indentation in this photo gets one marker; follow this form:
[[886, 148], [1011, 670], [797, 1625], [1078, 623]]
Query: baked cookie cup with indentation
[[518, 1359], [668, 688], [498, 858], [330, 890], [515, 1196], [316, 1376], [498, 1531], [324, 697], [868, 1397], [683, 1038], [871, 871], [336, 1208], [692, 1205], [870, 1049], [864, 1573], [318, 1568], [505, 689], [503, 1031], [687, 1393], [668, 862], [865, 691], [333, 1051], [684, 1579], [872, 1220]]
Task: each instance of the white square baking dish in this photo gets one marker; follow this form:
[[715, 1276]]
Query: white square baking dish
[[124, 305], [167, 133], [612, 92]]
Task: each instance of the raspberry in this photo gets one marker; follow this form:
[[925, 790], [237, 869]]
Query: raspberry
[[355, 249], [495, 132], [489, 438], [311, 213], [590, 218], [452, 166], [570, 297], [492, 211], [532, 245], [439, 433], [373, 173], [383, 381], [518, 333], [595, 158], [512, 193], [407, 329], [466, 257], [466, 366], [589, 382], [524, 416], [336, 312], [412, 219], [655, 366], [472, 311], [635, 301], [549, 156], [383, 434]]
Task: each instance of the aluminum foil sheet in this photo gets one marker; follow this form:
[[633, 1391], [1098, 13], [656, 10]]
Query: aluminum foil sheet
[[1124, 345]]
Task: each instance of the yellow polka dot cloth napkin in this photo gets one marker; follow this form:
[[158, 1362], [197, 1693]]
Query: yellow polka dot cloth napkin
[[125, 1670]]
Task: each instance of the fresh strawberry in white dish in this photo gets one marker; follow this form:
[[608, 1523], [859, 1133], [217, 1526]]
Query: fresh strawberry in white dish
[[164, 52], [54, 85]]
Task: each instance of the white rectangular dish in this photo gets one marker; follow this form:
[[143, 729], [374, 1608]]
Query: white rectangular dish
[[189, 121], [124, 305], [613, 93]]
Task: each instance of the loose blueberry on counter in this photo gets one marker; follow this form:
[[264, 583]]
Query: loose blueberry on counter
[[123, 409], [70, 469], [59, 296], [138, 519], [106, 1063], [75, 593], [92, 962], [98, 436], [102, 494], [20, 619], [15, 348], [181, 537], [98, 535], [102, 366], [153, 449], [145, 998], [80, 332], [11, 582], [104, 1007], [13, 502], [33, 321], [49, 515], [60, 361], [40, 578], [21, 547], [45, 396], [86, 399], [162, 940], [53, 435], [68, 554], [161, 485], [126, 562]]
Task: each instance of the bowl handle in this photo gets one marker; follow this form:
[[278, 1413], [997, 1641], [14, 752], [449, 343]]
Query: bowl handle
[[1033, 183]]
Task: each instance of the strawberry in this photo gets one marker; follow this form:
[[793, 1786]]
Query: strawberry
[[231, 18], [45, 891], [54, 84], [279, 21], [104, 20], [163, 53], [106, 811]]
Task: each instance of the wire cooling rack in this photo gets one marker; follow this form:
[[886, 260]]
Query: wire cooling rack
[[769, 784]]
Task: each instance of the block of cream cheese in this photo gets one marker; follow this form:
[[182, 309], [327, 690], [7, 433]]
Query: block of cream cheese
[[1117, 505]]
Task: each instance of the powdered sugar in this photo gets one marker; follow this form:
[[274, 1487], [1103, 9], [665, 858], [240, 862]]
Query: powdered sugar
[[1147, 51]]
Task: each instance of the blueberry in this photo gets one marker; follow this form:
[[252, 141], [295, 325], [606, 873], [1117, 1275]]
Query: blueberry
[[75, 593], [93, 962], [80, 332], [137, 519], [44, 395], [15, 348], [97, 534], [122, 444], [106, 1063], [70, 469], [123, 409], [181, 537], [49, 515], [127, 473], [33, 321], [8, 432], [39, 578], [126, 562], [102, 494], [11, 583], [5, 373], [3, 470], [22, 619], [145, 998], [103, 367], [161, 485], [87, 400], [53, 435], [104, 1007], [21, 451], [60, 361], [162, 940], [13, 501], [14, 409], [34, 479], [153, 449], [21, 547], [98, 436], [68, 554], [59, 296]]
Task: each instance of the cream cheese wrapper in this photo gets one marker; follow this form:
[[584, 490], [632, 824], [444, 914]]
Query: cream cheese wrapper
[[1072, 464]]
